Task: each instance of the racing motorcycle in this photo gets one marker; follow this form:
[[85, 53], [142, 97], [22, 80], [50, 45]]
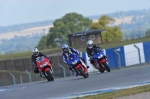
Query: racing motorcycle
[[74, 61], [100, 60], [45, 68]]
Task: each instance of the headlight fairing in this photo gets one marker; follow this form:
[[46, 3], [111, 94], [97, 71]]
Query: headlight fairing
[[100, 56], [74, 62], [44, 64]]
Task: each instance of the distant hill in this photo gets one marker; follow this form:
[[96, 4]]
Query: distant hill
[[24, 37], [22, 40], [19, 27], [26, 32]]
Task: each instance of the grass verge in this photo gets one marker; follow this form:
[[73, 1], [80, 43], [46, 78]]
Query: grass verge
[[119, 93], [27, 54], [83, 48]]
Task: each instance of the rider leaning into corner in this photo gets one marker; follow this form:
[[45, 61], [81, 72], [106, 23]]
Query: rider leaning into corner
[[34, 56], [91, 47], [66, 52]]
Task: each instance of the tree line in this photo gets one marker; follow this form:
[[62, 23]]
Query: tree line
[[74, 22]]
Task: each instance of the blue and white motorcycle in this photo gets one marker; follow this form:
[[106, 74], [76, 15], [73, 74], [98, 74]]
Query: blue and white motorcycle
[[74, 61], [100, 60]]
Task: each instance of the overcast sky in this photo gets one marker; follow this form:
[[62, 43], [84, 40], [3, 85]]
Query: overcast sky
[[23, 11]]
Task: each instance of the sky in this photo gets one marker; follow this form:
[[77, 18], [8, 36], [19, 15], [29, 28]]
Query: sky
[[14, 12]]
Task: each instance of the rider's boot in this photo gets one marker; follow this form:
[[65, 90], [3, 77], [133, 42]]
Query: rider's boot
[[42, 74]]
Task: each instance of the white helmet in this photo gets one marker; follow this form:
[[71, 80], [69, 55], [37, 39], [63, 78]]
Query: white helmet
[[35, 52], [90, 44], [65, 48]]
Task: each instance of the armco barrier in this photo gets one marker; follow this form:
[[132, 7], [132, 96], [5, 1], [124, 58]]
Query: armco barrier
[[126, 55], [26, 64]]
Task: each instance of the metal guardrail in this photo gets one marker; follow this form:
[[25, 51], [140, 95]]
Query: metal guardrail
[[14, 79], [30, 79], [64, 71]]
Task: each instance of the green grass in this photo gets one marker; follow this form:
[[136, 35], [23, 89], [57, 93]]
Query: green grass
[[55, 50], [119, 93], [28, 54]]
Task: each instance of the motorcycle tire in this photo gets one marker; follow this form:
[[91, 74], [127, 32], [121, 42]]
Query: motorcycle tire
[[82, 72], [50, 77], [87, 74], [106, 66], [102, 71]]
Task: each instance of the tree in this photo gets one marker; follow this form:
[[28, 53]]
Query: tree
[[70, 23], [112, 33], [148, 33], [42, 43]]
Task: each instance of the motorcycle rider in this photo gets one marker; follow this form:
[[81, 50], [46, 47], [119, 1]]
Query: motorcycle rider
[[34, 56], [91, 47], [66, 52]]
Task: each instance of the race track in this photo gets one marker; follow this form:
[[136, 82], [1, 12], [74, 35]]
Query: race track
[[72, 85]]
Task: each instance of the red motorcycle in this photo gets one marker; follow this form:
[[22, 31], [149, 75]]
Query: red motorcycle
[[45, 67]]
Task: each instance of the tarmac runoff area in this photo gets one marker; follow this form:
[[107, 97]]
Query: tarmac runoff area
[[8, 88], [103, 90], [11, 88]]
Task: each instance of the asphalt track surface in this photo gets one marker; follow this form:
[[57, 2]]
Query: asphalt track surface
[[72, 85]]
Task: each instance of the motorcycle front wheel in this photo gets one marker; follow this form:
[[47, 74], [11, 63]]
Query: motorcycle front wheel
[[49, 76], [102, 71], [82, 72], [106, 66]]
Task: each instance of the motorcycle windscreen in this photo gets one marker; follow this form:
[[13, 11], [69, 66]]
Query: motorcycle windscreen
[[40, 59], [99, 55]]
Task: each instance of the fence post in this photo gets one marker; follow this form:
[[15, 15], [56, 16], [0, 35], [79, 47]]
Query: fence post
[[14, 80], [23, 63], [64, 71], [138, 52], [30, 80], [4, 64], [21, 79], [119, 59], [14, 63]]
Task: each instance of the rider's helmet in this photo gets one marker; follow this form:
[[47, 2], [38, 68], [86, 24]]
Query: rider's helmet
[[90, 44], [35, 52], [65, 48]]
